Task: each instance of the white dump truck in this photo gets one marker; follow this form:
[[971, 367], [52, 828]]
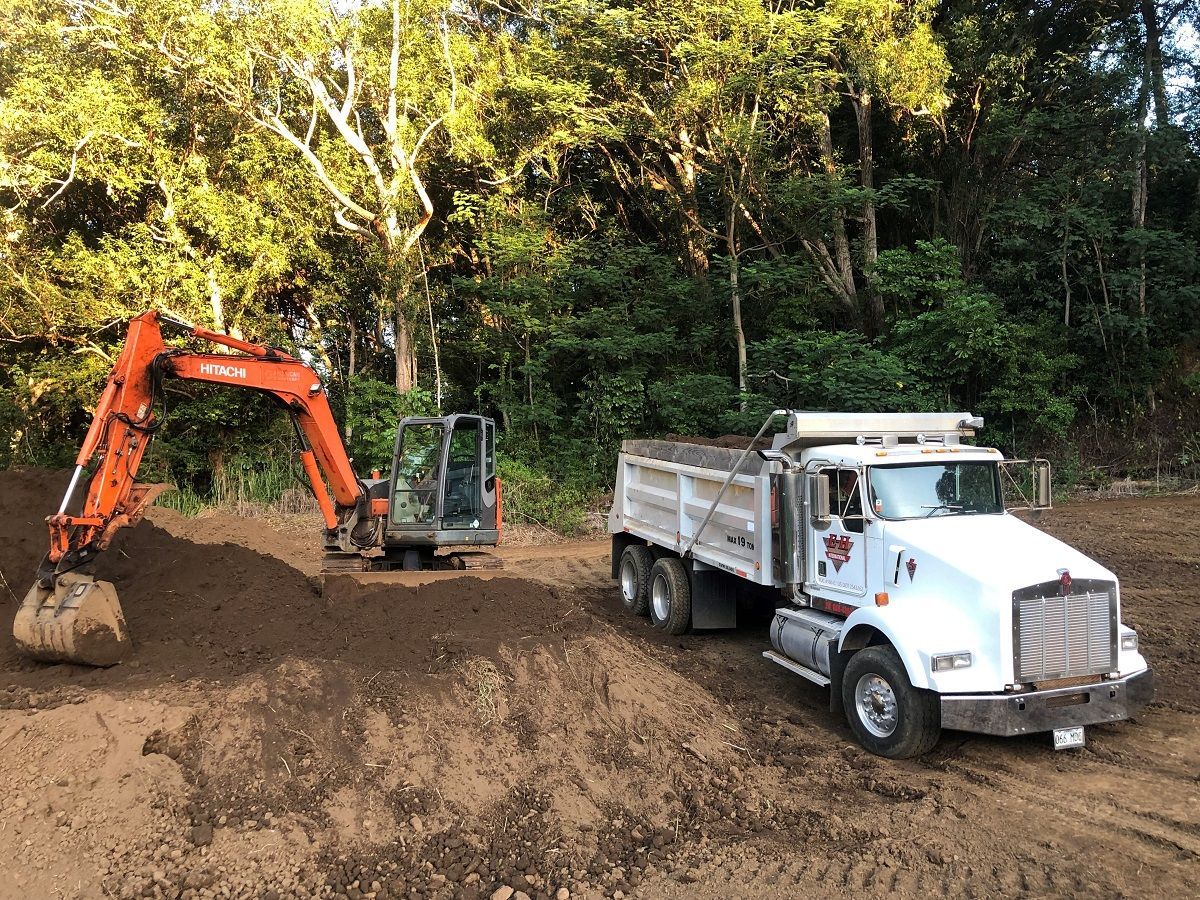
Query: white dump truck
[[899, 579]]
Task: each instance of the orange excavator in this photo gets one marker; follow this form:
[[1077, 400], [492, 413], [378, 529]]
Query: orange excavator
[[442, 494]]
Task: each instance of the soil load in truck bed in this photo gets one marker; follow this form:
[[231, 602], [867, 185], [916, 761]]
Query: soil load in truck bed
[[268, 739]]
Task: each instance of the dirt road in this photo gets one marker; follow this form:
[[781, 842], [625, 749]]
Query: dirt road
[[446, 740]]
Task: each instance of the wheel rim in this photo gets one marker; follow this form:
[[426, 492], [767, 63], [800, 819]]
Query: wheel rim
[[876, 703], [628, 581], [660, 598]]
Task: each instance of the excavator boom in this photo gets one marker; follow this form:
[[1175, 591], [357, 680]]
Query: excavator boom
[[68, 616]]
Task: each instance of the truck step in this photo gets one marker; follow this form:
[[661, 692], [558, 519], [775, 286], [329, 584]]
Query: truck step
[[814, 677]]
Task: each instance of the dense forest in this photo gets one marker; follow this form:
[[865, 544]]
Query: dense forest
[[593, 219]]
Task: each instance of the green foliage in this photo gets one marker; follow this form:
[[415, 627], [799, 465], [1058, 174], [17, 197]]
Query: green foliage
[[373, 412], [976, 359], [692, 404], [557, 501], [836, 371]]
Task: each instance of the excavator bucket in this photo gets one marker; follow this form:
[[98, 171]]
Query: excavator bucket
[[77, 620]]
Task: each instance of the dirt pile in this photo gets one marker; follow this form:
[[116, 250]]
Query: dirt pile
[[439, 740], [210, 610], [726, 441]]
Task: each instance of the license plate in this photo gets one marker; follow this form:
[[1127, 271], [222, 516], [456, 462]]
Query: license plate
[[1068, 737]]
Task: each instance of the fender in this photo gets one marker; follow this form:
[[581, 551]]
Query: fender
[[876, 618]]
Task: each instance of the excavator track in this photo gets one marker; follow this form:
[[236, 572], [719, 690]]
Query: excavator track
[[344, 563], [457, 561]]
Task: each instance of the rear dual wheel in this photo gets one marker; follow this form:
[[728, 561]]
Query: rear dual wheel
[[670, 596], [636, 562]]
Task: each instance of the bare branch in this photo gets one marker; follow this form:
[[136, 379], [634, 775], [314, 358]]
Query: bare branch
[[828, 271], [426, 213], [339, 215], [412, 157], [351, 84], [277, 125], [349, 134], [71, 172], [393, 77]]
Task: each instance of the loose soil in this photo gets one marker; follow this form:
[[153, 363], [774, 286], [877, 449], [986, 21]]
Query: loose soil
[[270, 739]]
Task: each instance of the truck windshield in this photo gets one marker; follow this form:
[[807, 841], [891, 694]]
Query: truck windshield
[[935, 489]]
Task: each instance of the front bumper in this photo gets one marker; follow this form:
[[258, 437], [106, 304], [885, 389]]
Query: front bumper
[[1009, 714]]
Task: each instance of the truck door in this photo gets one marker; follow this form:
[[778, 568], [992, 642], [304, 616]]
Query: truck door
[[839, 549]]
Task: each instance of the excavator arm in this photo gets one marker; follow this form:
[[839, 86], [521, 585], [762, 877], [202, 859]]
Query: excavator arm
[[68, 615]]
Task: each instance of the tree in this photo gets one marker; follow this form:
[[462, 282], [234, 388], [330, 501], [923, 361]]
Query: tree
[[364, 94]]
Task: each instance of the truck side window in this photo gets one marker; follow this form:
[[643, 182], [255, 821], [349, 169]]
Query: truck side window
[[846, 499]]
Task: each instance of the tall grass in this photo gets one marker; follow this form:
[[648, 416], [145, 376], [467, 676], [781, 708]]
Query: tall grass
[[247, 488], [567, 505]]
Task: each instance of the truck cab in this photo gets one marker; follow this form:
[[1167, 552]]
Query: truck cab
[[900, 579]]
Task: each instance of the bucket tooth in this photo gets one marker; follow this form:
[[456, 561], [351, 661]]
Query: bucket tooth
[[77, 620]]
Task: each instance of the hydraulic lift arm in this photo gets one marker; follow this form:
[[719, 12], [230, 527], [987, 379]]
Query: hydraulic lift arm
[[67, 615]]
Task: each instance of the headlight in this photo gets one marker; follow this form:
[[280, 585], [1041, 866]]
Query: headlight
[[1129, 640], [948, 661]]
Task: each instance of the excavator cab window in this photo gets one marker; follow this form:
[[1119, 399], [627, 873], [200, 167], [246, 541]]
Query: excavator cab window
[[489, 455], [418, 465], [462, 500]]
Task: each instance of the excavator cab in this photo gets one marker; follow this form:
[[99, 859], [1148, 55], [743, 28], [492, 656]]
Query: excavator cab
[[443, 491]]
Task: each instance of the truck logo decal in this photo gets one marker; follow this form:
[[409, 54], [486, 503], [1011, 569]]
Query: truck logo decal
[[837, 548], [912, 568], [224, 371]]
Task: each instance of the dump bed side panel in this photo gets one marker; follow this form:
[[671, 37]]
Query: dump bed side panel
[[665, 502]]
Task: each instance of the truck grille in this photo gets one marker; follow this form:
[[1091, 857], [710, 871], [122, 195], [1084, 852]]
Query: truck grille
[[1063, 637]]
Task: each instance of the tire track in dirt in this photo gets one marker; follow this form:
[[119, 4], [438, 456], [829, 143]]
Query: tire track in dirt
[[1155, 829]]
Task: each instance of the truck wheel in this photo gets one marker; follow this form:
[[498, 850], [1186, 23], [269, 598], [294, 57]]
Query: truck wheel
[[636, 562], [670, 596], [887, 714]]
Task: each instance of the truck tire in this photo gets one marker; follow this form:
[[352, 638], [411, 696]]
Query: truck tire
[[634, 575], [670, 596], [887, 714]]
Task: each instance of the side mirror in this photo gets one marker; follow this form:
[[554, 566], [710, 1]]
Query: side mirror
[[818, 492], [1042, 497]]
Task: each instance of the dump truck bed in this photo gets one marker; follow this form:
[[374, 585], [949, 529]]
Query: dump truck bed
[[664, 490]]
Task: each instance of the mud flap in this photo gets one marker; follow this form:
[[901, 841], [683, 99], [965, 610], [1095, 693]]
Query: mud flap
[[837, 668], [714, 597], [78, 620]]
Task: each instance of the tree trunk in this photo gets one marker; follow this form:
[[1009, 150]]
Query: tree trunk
[[433, 339], [873, 312], [217, 305], [529, 387], [735, 299], [318, 341], [406, 359], [350, 374], [1154, 64], [841, 244], [694, 241], [1141, 190], [1066, 284]]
